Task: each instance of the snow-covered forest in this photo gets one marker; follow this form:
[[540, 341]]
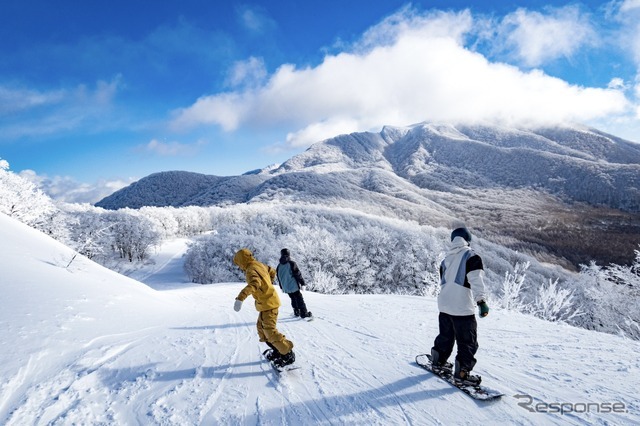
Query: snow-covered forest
[[341, 251]]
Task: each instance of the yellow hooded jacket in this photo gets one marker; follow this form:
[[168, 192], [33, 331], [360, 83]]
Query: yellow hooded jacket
[[259, 281]]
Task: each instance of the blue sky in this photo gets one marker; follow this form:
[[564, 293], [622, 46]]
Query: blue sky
[[96, 94]]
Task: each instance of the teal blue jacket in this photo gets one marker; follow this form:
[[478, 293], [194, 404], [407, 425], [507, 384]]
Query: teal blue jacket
[[289, 276]]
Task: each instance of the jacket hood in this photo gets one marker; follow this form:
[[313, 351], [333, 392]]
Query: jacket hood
[[242, 258], [284, 255], [457, 244]]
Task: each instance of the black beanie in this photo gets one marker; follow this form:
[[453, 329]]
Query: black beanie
[[461, 232], [284, 252]]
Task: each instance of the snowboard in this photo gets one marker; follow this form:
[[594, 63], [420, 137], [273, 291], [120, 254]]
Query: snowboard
[[307, 319], [279, 369], [478, 392]]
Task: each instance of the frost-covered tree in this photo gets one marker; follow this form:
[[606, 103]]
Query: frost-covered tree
[[210, 258], [24, 201], [338, 251], [612, 298], [192, 220], [510, 299], [164, 220], [132, 234], [90, 232], [626, 275], [553, 303]]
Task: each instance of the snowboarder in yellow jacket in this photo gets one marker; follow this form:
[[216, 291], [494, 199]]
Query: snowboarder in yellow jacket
[[260, 285]]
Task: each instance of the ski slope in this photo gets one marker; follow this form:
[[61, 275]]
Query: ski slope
[[84, 345]]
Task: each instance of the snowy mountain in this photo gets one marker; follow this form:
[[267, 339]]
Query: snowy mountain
[[575, 163], [84, 345], [178, 188], [522, 187]]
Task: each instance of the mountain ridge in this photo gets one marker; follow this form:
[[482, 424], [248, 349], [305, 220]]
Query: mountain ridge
[[504, 181]]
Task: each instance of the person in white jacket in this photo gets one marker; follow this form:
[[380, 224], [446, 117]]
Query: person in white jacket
[[462, 292]]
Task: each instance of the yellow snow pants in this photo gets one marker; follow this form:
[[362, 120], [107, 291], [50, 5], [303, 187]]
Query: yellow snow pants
[[268, 332]]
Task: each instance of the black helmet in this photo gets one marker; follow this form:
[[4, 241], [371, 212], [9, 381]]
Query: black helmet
[[284, 252], [461, 232]]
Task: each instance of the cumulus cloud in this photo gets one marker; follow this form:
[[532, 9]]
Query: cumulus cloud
[[616, 83], [537, 38], [410, 68], [432, 24], [68, 190], [315, 132], [251, 72]]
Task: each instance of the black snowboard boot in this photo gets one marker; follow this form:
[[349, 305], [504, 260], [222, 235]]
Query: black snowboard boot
[[464, 377], [286, 359], [306, 314], [296, 312], [272, 353], [439, 364]]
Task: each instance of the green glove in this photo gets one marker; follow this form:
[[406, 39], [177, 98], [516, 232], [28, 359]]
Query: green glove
[[483, 308]]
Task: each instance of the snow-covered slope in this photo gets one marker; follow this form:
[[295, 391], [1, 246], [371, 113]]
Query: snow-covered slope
[[83, 345]]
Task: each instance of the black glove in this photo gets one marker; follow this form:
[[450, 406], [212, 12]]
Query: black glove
[[483, 308]]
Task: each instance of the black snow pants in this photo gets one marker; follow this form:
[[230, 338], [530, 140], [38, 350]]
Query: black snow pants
[[297, 303], [462, 330]]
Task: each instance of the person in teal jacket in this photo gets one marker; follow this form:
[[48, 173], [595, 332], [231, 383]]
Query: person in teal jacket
[[291, 282]]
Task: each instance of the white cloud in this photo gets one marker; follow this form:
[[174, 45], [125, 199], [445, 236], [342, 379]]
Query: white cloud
[[37, 113], [627, 16], [433, 24], [106, 90], [67, 189], [616, 83], [171, 149], [255, 19], [629, 5], [316, 132], [225, 110], [249, 73], [14, 99], [537, 38], [406, 70]]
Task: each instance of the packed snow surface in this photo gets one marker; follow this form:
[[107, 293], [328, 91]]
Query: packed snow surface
[[84, 345]]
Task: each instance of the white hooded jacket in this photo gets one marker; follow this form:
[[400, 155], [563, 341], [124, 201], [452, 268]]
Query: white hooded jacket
[[462, 279]]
